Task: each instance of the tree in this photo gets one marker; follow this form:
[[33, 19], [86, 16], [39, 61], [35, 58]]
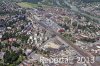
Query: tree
[[5, 36], [24, 38], [15, 44], [1, 46]]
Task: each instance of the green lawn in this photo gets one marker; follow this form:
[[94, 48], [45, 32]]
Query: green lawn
[[27, 5]]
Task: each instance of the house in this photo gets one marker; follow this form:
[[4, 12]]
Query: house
[[1, 55], [2, 25], [0, 37]]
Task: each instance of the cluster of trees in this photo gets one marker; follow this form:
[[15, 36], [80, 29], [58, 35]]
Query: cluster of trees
[[90, 1], [15, 44], [86, 1], [32, 1], [11, 0], [3, 45], [23, 38], [88, 40], [8, 35], [10, 57]]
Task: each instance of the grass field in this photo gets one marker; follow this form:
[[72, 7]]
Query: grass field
[[27, 5]]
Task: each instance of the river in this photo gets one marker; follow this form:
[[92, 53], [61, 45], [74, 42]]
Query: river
[[74, 8]]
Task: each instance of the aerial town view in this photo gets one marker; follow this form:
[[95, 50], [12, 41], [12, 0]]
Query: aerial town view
[[49, 32]]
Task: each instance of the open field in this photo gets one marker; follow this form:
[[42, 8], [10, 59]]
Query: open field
[[27, 5]]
